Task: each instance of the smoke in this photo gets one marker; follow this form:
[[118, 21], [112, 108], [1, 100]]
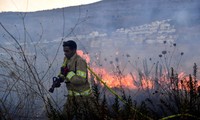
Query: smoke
[[133, 45]]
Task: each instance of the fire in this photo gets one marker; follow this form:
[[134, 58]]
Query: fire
[[185, 81], [147, 83], [125, 81], [113, 81], [110, 79], [83, 55], [132, 81]]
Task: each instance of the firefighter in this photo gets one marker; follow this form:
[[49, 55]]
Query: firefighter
[[80, 101]]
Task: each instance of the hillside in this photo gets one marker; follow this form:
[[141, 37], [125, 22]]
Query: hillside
[[105, 16], [113, 25]]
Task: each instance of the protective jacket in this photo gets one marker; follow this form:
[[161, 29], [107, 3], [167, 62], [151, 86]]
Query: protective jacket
[[76, 76]]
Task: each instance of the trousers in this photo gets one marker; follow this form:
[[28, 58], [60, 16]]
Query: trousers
[[80, 108]]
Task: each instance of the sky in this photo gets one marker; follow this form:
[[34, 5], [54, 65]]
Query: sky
[[37, 5]]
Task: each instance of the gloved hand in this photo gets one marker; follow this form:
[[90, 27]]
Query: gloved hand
[[62, 79], [64, 71]]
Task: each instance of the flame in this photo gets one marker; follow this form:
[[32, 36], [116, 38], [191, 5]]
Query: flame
[[110, 79], [132, 81], [147, 83], [83, 55], [185, 81], [125, 81]]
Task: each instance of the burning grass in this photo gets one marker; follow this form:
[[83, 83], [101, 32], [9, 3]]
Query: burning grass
[[179, 98], [147, 94]]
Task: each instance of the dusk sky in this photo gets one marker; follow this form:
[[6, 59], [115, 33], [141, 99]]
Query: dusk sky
[[37, 5]]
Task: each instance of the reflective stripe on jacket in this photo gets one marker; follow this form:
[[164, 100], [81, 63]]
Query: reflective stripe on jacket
[[84, 93]]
